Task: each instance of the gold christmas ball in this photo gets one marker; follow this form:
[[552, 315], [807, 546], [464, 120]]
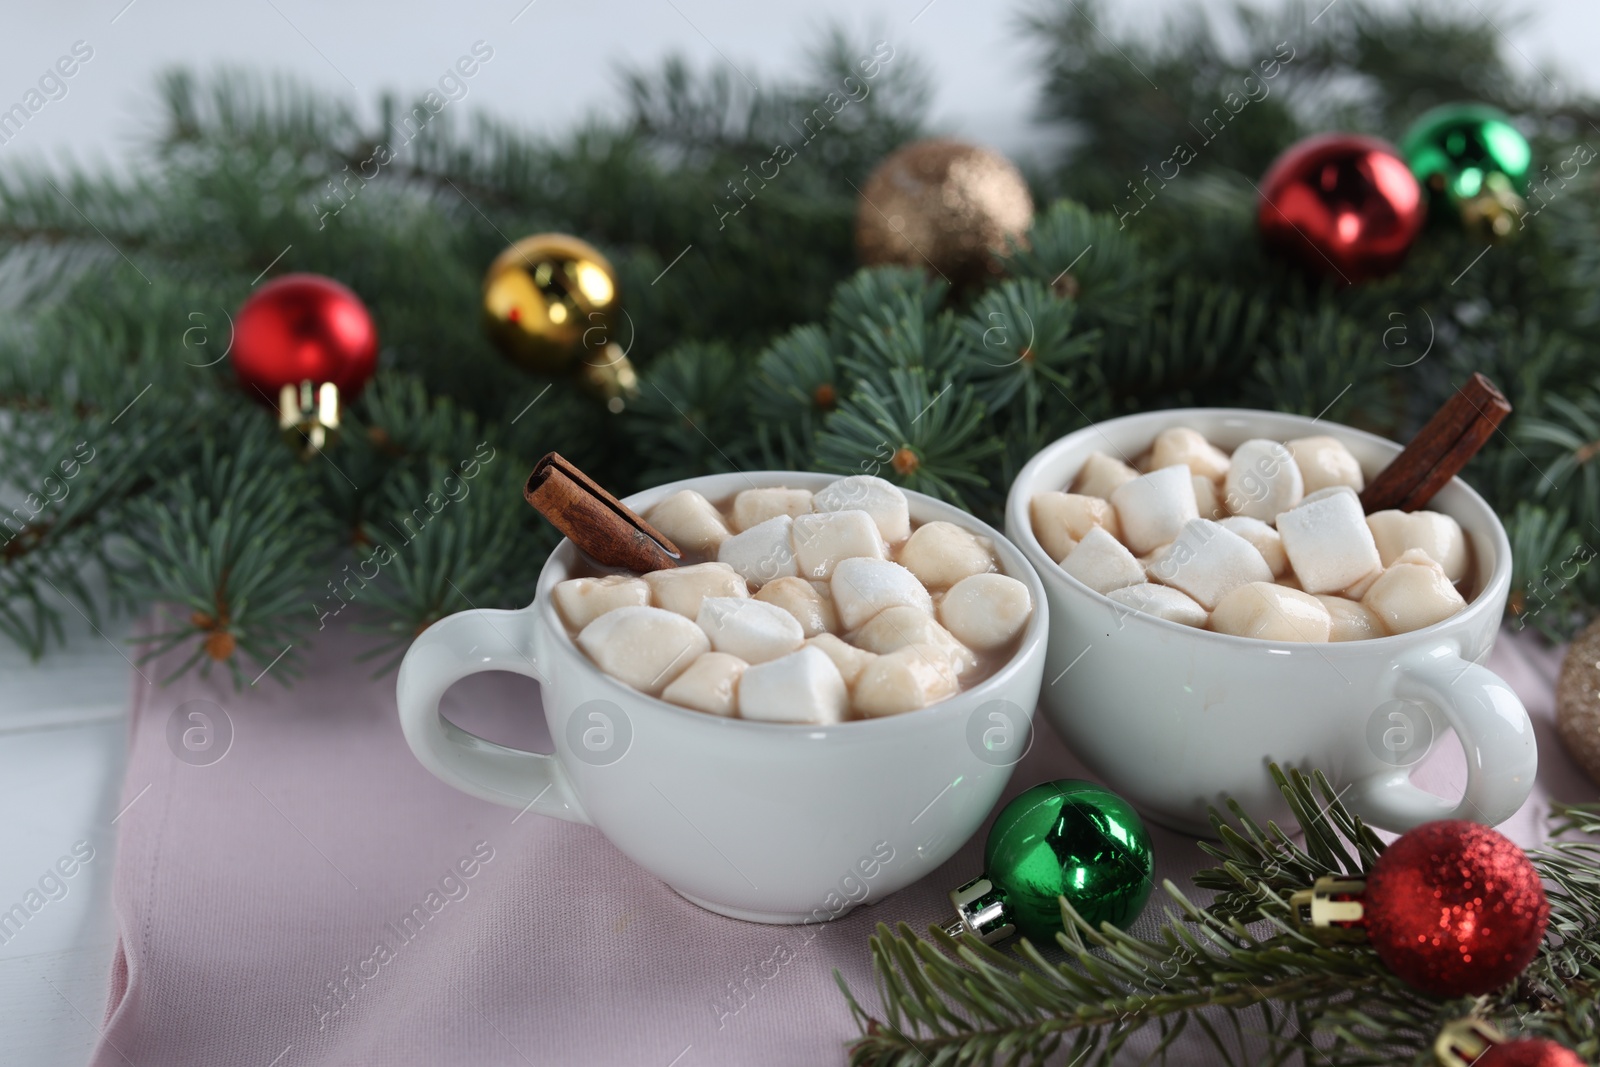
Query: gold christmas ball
[[943, 206], [1578, 701], [550, 305]]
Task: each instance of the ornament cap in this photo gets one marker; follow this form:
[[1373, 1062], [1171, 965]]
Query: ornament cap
[[1331, 903], [609, 374], [308, 415], [981, 910], [1461, 1042]]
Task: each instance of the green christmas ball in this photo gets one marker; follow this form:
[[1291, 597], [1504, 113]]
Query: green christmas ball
[[1472, 159], [1069, 839]]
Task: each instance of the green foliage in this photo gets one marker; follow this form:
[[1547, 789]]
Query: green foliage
[[759, 343], [1240, 970]]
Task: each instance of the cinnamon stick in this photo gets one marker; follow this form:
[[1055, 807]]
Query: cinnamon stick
[[1440, 449], [603, 527]]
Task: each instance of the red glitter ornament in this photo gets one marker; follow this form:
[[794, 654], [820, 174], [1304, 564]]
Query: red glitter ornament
[[304, 344], [1455, 909], [1342, 205], [1528, 1052]]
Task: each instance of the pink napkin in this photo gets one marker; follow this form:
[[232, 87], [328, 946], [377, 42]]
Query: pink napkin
[[315, 897]]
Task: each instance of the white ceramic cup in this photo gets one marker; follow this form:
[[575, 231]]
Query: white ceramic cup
[[1177, 718], [759, 821]]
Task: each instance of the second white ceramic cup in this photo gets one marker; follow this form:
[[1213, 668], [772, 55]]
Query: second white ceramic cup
[[1177, 718]]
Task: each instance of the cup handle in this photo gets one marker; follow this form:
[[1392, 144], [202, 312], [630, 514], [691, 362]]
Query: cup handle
[[482, 639], [1495, 733]]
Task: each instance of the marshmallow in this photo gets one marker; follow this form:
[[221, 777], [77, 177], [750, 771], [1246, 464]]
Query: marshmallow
[[1207, 502], [761, 553], [1262, 480], [821, 541], [583, 600], [1153, 507], [1436, 534], [986, 611], [805, 601], [643, 647], [940, 554], [1271, 613], [753, 630], [849, 659], [689, 521], [681, 589], [1144, 462], [1102, 563], [752, 507], [1180, 444], [1325, 461], [1100, 475], [1351, 621], [1327, 541], [904, 680], [863, 587], [1263, 537], [803, 686], [1162, 602], [901, 627], [1411, 593], [882, 500], [1061, 519], [1207, 561], [709, 684]]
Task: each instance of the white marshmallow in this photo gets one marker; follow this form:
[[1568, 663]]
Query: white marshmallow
[[1100, 476], [1272, 613], [1327, 541], [1351, 621], [681, 589], [1162, 602], [1061, 519], [752, 507], [1262, 480], [849, 659], [1153, 507], [1180, 444], [709, 684], [986, 611], [689, 521], [1102, 563], [1411, 593], [1207, 561], [1263, 537], [1325, 461], [901, 627], [863, 587], [1435, 533], [882, 500], [582, 600], [904, 680], [940, 554], [761, 553], [821, 541], [643, 647], [803, 686], [753, 630], [1207, 501], [805, 601]]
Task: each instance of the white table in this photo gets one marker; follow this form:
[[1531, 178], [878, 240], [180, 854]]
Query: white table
[[63, 727]]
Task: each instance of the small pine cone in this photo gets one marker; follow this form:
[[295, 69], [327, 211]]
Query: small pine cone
[[220, 645]]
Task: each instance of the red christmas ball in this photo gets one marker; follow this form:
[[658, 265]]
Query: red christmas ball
[[304, 328], [1455, 909], [1528, 1052], [1343, 205]]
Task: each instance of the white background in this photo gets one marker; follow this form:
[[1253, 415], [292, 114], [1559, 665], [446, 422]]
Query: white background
[[555, 62]]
